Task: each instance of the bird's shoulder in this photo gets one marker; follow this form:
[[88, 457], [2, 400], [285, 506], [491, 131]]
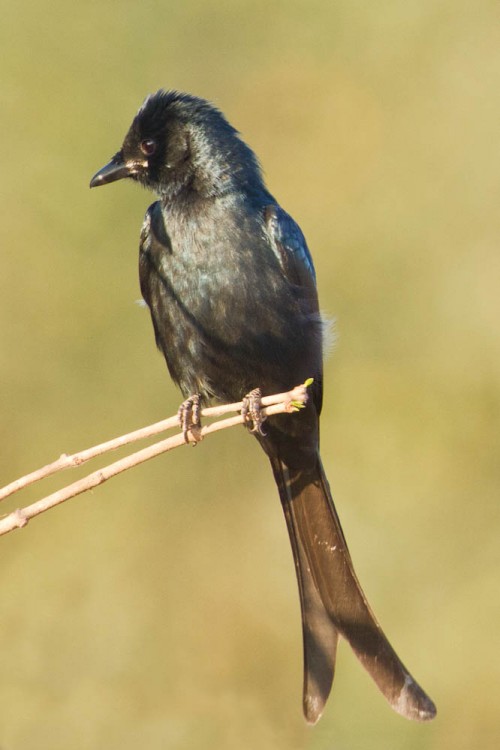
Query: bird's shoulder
[[154, 236], [155, 249], [289, 246]]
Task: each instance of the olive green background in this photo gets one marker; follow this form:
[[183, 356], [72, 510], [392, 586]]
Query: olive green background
[[160, 611]]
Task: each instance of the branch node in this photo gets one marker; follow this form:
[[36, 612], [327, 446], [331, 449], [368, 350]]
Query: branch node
[[298, 399], [19, 519]]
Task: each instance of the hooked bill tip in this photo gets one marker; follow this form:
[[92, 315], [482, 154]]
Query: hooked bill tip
[[116, 169]]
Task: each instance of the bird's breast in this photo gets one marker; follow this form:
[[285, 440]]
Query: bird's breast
[[221, 304]]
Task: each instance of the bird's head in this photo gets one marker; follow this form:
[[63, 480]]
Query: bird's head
[[178, 143]]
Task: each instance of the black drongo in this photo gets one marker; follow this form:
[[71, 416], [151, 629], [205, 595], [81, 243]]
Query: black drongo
[[231, 287]]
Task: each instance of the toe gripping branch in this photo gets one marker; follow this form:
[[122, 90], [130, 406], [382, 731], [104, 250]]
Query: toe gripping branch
[[189, 419], [251, 411]]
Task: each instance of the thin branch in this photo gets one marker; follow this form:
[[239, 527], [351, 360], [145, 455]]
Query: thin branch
[[278, 404], [66, 461]]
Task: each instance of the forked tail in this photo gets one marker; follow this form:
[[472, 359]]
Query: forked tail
[[332, 600]]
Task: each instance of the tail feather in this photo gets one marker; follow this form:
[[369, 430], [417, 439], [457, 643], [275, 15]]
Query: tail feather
[[333, 601], [319, 634]]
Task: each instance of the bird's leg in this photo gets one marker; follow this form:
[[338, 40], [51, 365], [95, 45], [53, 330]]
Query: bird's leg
[[189, 418], [251, 411]]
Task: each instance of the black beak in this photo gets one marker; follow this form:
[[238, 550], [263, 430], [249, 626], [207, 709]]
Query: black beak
[[115, 170]]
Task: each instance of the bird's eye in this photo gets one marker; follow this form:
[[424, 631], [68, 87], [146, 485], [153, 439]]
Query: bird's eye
[[148, 146]]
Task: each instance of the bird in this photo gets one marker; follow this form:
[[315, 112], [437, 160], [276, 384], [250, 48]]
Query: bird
[[231, 287]]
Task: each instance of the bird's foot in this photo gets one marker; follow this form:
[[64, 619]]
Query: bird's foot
[[189, 419], [251, 411]]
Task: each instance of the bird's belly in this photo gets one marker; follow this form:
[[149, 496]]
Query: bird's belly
[[223, 336]]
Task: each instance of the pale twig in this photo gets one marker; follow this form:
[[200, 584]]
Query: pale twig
[[66, 461], [278, 404]]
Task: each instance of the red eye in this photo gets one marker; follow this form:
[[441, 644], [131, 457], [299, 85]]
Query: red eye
[[148, 147]]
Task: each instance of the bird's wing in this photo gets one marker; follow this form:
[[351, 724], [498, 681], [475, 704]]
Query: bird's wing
[[290, 247], [146, 263], [154, 243]]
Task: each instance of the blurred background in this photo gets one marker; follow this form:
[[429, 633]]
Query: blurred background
[[161, 611]]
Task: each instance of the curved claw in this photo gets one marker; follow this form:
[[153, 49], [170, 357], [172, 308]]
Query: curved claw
[[252, 413], [189, 418]]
